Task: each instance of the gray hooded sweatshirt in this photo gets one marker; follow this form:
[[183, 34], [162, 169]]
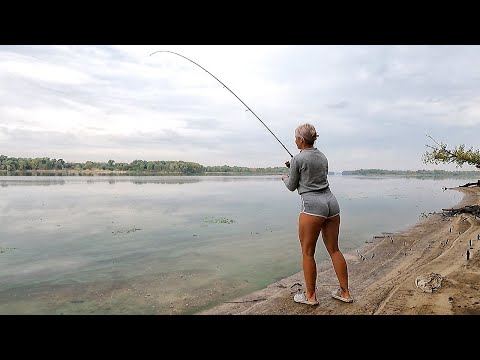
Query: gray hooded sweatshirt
[[308, 171]]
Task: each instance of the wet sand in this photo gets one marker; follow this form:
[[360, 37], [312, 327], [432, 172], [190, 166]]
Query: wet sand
[[383, 280]]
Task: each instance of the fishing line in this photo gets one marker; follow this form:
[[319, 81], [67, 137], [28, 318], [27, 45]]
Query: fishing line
[[226, 87]]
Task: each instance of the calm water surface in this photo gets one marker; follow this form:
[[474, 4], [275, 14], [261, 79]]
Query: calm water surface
[[176, 245]]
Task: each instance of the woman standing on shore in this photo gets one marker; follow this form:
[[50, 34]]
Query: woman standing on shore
[[320, 212]]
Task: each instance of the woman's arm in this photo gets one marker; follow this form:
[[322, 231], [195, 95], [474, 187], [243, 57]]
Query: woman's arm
[[291, 180]]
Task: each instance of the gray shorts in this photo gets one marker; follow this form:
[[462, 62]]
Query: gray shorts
[[320, 203]]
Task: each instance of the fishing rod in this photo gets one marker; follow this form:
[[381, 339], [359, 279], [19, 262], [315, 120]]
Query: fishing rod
[[225, 86]]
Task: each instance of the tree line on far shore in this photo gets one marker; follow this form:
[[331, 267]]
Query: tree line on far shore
[[13, 164], [422, 173], [440, 153]]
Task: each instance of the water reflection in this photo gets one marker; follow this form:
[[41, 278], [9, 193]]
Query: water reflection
[[138, 180], [49, 181], [7, 181]]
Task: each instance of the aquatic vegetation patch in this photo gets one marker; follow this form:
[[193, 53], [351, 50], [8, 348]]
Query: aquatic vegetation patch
[[223, 220], [5, 249], [125, 231]]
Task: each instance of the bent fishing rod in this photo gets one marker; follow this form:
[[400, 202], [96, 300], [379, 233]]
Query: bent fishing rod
[[226, 87]]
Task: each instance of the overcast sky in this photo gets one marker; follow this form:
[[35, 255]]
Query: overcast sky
[[372, 106]]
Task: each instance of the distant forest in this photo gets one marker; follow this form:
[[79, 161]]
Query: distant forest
[[410, 172], [45, 164]]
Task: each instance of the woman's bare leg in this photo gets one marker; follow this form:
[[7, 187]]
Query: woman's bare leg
[[309, 227], [330, 232]]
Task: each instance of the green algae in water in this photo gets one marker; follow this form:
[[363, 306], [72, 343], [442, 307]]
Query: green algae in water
[[219, 220]]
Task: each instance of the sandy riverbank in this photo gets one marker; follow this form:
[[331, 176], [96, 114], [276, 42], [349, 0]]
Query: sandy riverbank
[[384, 283]]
